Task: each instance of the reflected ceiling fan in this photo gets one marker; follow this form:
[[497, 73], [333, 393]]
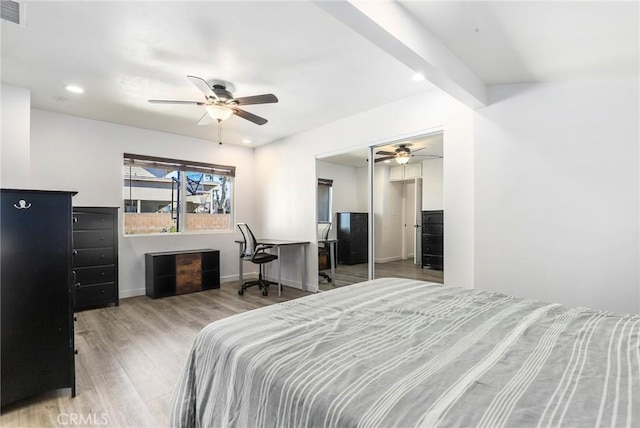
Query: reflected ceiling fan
[[220, 103], [402, 154]]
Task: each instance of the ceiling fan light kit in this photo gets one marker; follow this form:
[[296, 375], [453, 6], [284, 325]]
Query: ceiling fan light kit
[[219, 112], [402, 158]]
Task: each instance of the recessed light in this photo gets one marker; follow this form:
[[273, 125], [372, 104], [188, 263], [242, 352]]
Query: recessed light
[[246, 141], [419, 77], [73, 88]]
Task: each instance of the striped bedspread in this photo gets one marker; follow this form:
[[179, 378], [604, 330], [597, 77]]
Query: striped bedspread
[[403, 353]]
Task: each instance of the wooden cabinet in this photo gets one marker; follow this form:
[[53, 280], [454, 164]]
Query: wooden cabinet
[[37, 348], [353, 238], [179, 272], [95, 260], [433, 239], [405, 172]]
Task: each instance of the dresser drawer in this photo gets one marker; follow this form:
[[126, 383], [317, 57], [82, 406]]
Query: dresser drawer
[[92, 221], [92, 238], [93, 257], [95, 275], [432, 217], [431, 228], [95, 294], [432, 262], [432, 250], [432, 240]]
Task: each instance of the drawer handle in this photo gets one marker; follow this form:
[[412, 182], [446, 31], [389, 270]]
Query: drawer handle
[[103, 291], [75, 219], [75, 252], [78, 285]]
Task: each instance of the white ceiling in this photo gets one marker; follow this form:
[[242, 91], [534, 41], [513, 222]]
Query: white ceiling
[[124, 53]]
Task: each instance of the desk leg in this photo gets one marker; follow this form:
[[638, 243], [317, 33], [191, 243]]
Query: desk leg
[[332, 261], [303, 267], [279, 272], [240, 264]]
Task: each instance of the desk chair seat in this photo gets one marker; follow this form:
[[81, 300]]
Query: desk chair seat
[[255, 253]]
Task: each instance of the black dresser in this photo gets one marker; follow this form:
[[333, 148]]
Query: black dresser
[[36, 317], [433, 240], [178, 272], [353, 238], [95, 256]]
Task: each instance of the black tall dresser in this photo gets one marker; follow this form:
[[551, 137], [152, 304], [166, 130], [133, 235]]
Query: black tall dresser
[[353, 237], [433, 240], [95, 256], [37, 317]]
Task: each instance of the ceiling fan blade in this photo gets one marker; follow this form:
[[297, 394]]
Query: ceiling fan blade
[[417, 150], [176, 102], [384, 158], [250, 116], [382, 152], [205, 120], [428, 156], [203, 86], [255, 99]]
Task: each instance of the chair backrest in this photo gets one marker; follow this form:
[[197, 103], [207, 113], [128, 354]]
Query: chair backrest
[[323, 230], [250, 241]]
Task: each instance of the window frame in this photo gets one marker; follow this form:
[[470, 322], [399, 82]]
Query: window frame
[[182, 167]]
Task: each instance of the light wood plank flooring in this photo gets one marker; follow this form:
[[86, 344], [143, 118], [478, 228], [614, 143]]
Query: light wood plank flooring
[[129, 359], [346, 275]]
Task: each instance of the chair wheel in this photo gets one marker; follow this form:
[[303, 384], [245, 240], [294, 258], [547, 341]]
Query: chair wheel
[[241, 292], [329, 280], [265, 292]]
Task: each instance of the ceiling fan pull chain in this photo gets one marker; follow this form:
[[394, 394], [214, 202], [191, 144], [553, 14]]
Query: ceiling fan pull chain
[[219, 132]]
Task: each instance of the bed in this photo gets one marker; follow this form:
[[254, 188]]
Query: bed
[[402, 353]]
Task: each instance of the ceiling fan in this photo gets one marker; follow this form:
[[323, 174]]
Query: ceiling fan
[[220, 103], [402, 154]]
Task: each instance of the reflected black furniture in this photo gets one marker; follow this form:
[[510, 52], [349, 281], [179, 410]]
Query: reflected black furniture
[[353, 237], [169, 273], [433, 239], [36, 315], [255, 253], [95, 256], [324, 253]]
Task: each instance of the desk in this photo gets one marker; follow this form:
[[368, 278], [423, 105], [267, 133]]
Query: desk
[[332, 255], [278, 244]]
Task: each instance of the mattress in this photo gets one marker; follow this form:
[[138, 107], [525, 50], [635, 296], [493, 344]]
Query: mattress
[[404, 353]]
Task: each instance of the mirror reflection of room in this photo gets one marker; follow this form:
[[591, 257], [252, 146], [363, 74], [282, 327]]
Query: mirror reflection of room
[[406, 195]]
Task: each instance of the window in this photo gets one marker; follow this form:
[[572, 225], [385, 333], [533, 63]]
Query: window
[[324, 199], [169, 196]]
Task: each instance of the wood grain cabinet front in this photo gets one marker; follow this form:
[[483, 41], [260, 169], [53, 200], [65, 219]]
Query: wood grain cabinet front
[[179, 272]]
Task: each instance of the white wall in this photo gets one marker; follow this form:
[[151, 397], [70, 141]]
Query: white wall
[[432, 184], [557, 185], [15, 151], [344, 190], [71, 153], [388, 210]]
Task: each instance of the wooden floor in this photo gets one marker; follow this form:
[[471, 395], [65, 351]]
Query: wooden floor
[[129, 359], [346, 275]]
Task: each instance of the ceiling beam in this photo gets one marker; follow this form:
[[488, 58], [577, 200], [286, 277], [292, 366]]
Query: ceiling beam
[[393, 29]]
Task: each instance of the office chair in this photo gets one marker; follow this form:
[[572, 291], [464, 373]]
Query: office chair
[[324, 250], [255, 253]]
